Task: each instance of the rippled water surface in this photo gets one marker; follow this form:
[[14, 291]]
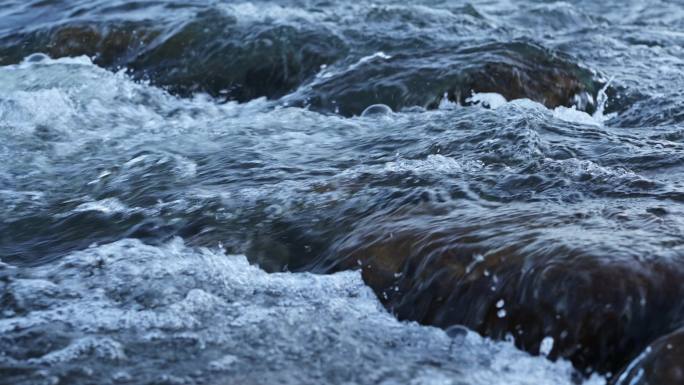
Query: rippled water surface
[[440, 192]]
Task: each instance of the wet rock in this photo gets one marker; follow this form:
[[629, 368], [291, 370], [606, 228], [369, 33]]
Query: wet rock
[[110, 45], [217, 55], [517, 69], [592, 305], [662, 363], [212, 53]]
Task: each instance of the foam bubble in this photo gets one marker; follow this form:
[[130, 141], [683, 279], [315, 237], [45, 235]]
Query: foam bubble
[[487, 99]]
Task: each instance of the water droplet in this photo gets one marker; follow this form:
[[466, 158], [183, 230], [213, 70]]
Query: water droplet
[[546, 346]]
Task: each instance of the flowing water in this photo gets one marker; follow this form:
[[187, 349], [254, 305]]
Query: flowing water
[[302, 191]]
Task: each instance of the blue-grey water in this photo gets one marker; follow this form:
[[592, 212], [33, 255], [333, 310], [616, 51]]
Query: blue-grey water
[[314, 192]]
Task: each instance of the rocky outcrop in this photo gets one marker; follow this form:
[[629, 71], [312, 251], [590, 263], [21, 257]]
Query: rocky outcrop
[[596, 309], [517, 69], [215, 53], [211, 53]]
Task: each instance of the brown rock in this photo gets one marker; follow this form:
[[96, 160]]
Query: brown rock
[[516, 69], [662, 363], [600, 309]]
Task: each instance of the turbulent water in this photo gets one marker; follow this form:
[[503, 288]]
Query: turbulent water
[[440, 192]]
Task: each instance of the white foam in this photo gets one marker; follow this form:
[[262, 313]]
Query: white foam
[[102, 348], [487, 99], [598, 118], [494, 101], [434, 163], [263, 12], [105, 206], [237, 322], [578, 169], [572, 115]]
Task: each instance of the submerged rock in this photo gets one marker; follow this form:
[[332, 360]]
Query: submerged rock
[[111, 45], [212, 53], [581, 303], [517, 69], [662, 363], [219, 54]]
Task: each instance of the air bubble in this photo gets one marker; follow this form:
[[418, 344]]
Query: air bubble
[[376, 110]]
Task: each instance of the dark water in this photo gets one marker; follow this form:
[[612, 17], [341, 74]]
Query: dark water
[[520, 173]]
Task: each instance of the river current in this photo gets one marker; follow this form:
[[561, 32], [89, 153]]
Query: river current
[[309, 192]]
